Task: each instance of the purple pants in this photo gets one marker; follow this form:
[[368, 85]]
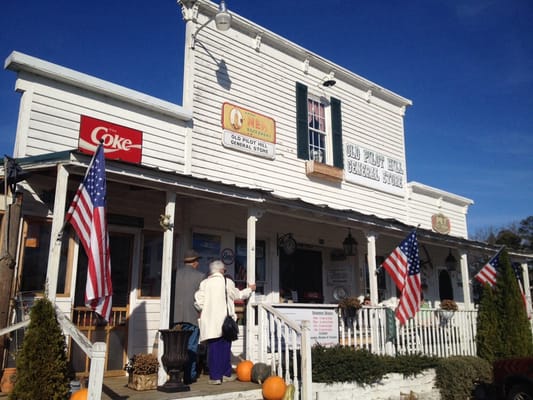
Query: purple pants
[[219, 358]]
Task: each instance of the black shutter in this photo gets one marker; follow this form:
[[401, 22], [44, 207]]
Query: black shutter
[[302, 128], [336, 132]]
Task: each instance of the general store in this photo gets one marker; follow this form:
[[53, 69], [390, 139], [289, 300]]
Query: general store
[[287, 166]]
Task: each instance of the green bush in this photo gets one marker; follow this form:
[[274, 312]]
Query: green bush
[[42, 368], [457, 377], [345, 364]]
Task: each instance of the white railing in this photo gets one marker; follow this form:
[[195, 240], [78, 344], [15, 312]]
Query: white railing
[[95, 351], [431, 332], [286, 346]]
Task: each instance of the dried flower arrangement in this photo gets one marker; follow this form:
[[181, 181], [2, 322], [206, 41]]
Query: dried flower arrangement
[[350, 302], [449, 305], [142, 364]]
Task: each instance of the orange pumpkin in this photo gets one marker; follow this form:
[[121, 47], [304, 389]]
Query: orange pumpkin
[[244, 370], [274, 388], [79, 395]]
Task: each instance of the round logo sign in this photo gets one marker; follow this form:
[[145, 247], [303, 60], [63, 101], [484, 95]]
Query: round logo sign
[[227, 256]]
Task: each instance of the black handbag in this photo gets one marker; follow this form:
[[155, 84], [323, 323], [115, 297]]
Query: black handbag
[[230, 329]]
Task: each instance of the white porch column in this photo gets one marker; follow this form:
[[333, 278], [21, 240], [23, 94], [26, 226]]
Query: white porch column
[[527, 291], [372, 278], [54, 253], [465, 279], [253, 215], [166, 278]]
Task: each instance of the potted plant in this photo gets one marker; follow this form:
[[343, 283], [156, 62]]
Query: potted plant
[[447, 310], [142, 369], [349, 307]]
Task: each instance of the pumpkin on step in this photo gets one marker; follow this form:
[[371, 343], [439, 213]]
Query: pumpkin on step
[[274, 388], [260, 371], [244, 370]]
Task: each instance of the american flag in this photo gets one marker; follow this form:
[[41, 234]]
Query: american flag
[[87, 214], [403, 265], [487, 274]]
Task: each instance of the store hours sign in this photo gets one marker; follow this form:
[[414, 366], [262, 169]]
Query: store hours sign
[[368, 167]]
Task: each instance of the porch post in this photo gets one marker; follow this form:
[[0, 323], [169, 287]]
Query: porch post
[[54, 253], [527, 292], [166, 277], [253, 215], [465, 279], [372, 278]]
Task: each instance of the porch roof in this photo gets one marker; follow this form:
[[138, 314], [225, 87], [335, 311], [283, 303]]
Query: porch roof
[[118, 171]]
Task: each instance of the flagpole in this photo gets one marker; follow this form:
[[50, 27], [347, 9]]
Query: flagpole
[[65, 223]]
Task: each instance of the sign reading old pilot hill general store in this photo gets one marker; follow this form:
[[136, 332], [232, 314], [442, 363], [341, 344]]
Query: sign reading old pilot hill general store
[[248, 131], [120, 142], [372, 168]]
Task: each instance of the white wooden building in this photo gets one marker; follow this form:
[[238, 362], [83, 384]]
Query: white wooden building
[[264, 149]]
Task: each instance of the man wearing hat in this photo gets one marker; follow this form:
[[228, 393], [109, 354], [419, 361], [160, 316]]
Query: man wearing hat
[[188, 280]]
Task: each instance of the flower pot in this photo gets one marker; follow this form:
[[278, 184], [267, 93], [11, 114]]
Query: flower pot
[[8, 380], [445, 316], [142, 382]]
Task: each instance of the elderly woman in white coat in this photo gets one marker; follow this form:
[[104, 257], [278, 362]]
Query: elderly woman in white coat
[[211, 302]]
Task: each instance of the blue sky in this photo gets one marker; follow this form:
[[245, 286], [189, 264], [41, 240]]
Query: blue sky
[[467, 65]]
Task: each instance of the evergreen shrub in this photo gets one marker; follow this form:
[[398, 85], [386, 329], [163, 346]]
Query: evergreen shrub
[[42, 367]]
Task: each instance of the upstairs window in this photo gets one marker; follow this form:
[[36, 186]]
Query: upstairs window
[[316, 120], [314, 134]]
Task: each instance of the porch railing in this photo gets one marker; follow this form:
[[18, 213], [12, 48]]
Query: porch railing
[[286, 346], [95, 351], [432, 332]]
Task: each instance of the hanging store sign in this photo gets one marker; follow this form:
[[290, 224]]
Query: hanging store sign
[[248, 131], [371, 168], [120, 142], [441, 223]]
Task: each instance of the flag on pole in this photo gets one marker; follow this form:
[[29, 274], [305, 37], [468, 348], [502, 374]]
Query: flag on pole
[[403, 265], [87, 214], [487, 274]]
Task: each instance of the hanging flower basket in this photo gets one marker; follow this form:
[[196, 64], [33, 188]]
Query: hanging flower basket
[[447, 311]]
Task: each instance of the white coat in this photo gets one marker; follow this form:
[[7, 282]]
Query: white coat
[[209, 299]]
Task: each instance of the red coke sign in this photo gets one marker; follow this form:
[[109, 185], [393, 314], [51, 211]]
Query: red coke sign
[[120, 143]]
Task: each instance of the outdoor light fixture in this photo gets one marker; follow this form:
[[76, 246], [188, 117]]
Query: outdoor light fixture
[[222, 21], [287, 243], [349, 245], [450, 261], [329, 80]]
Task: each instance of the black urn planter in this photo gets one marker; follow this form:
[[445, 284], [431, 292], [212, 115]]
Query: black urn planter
[[174, 358]]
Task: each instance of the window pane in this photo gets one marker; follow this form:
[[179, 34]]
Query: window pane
[[208, 246], [317, 130], [241, 264], [151, 265], [35, 258]]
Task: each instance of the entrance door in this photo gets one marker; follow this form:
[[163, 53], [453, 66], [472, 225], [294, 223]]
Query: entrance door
[[301, 276], [114, 333]]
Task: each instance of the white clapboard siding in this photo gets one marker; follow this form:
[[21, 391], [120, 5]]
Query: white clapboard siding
[[53, 117], [143, 326], [425, 202], [264, 82]]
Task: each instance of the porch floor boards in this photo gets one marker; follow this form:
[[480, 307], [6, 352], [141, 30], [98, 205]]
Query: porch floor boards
[[116, 388]]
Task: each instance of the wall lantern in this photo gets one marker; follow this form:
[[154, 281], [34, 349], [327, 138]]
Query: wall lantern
[[222, 21], [329, 80], [450, 262], [349, 245], [287, 243]]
